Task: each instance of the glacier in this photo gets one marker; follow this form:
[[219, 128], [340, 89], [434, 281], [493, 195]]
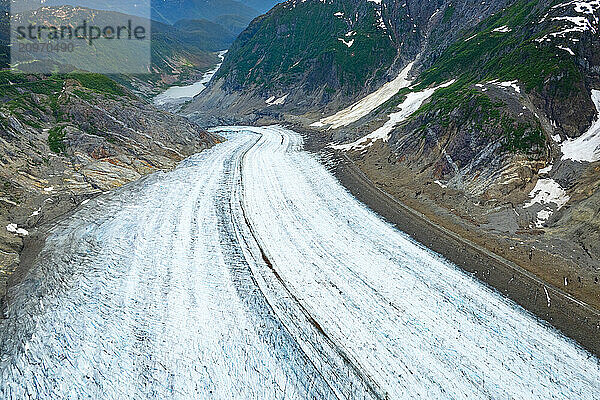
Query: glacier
[[249, 272]]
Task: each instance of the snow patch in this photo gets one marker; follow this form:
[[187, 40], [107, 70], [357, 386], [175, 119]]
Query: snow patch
[[580, 24], [588, 21], [7, 201], [582, 7], [556, 138], [547, 296], [568, 50], [276, 102], [547, 192], [502, 29], [411, 104], [380, 24], [509, 84], [587, 146], [13, 228], [546, 170], [348, 43], [369, 103]]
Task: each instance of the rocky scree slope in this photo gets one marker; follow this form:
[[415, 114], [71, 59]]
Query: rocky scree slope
[[67, 138], [482, 115]]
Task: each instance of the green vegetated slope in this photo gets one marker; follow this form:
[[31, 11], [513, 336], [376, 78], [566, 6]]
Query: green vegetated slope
[[87, 115], [233, 23], [333, 52], [504, 47], [100, 55], [205, 34], [302, 44], [85, 102], [179, 53], [85, 118], [186, 50], [513, 45]]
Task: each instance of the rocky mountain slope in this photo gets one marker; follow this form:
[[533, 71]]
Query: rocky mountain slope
[[481, 115], [67, 138]]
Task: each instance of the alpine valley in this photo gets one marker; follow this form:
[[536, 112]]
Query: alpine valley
[[336, 199], [482, 116]]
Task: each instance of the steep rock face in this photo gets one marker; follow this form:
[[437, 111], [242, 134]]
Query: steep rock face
[[64, 139]]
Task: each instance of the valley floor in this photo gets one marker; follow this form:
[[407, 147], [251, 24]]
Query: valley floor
[[250, 272]]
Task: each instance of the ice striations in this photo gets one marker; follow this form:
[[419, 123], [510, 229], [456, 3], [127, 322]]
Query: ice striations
[[250, 273]]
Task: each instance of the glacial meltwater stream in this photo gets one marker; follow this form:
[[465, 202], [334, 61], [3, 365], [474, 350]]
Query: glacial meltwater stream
[[249, 272]]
